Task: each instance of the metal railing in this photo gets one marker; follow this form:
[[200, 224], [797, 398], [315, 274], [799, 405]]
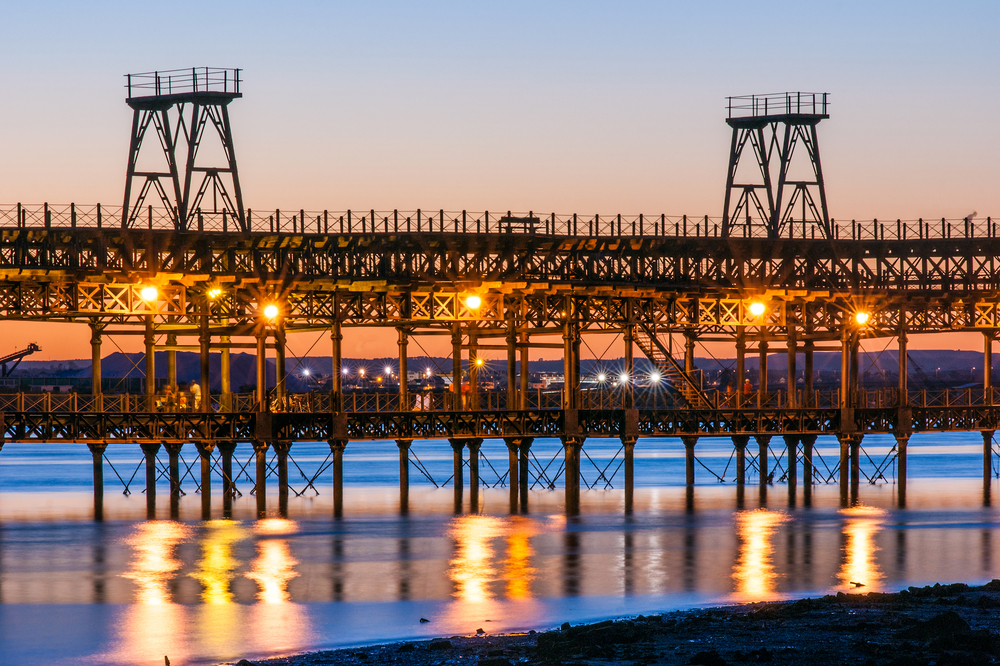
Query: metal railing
[[183, 81], [496, 400], [71, 216], [777, 104]]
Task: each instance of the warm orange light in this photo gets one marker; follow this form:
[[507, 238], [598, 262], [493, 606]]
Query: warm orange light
[[271, 311], [479, 361], [757, 309], [149, 293], [861, 318], [214, 293], [473, 302]]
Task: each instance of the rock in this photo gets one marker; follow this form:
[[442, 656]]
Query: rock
[[480, 631], [439, 645], [708, 658], [564, 626], [494, 661], [244, 662], [948, 623], [406, 647]]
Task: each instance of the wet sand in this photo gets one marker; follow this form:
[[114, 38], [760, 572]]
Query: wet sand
[[940, 625]]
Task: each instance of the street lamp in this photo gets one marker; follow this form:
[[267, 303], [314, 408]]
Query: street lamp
[[214, 293], [861, 318], [654, 377], [149, 293], [473, 302], [757, 309], [623, 378], [271, 311]]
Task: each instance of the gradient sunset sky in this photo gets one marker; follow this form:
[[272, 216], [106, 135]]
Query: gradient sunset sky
[[576, 106]]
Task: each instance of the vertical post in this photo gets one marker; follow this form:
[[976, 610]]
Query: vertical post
[[205, 449], [150, 363], [337, 378], [511, 362], [150, 450], [808, 441], [261, 361], [902, 441], [260, 489], [457, 448], [337, 449], [855, 464], [792, 370], [171, 360], [792, 445], [512, 471], [204, 348], [845, 370], [987, 458], [523, 477], [628, 394], [740, 442], [988, 368], [456, 367], [762, 443], [404, 398], [741, 370], [571, 448], [95, 361], [279, 362], [689, 442], [474, 362], [845, 461], [474, 445], [227, 448], [404, 474], [569, 385], [904, 395], [225, 369], [525, 374], [628, 444], [97, 453], [807, 386], [762, 389], [281, 457], [174, 472]]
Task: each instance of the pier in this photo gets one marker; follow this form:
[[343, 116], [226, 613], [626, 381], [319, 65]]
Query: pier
[[184, 265]]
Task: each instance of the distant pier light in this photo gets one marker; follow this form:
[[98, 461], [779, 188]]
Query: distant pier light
[[149, 293], [861, 318], [757, 309], [473, 302]]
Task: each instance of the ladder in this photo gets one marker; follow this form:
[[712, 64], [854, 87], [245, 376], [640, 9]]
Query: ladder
[[688, 387]]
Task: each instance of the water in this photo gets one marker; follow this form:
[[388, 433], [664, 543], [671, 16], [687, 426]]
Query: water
[[129, 591]]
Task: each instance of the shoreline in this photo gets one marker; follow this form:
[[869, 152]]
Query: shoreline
[[952, 624]]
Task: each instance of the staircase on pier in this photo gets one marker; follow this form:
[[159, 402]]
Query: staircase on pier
[[687, 386]]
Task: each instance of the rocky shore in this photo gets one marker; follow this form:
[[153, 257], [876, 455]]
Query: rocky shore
[[940, 625]]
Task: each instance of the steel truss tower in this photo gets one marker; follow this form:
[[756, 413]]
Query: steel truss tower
[[773, 126], [179, 105]]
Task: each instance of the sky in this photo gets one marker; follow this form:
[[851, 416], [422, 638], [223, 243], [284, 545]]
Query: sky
[[587, 107]]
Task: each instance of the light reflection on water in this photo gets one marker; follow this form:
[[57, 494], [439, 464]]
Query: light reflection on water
[[860, 564], [754, 571]]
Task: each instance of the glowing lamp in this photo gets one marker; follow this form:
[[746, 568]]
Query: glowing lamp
[[149, 293], [861, 318], [602, 377], [214, 293], [271, 311], [473, 302], [479, 361], [757, 309], [388, 370], [623, 378], [654, 377]]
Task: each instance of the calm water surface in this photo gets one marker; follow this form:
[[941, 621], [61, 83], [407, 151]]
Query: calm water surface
[[129, 591]]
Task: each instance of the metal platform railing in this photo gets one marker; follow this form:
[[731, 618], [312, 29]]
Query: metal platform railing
[[778, 104], [72, 216], [183, 81], [441, 401]]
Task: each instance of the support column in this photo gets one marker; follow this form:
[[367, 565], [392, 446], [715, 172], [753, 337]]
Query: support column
[[281, 448], [904, 395], [845, 465], [513, 471], [762, 390], [205, 453], [988, 368], [807, 385], [174, 472], [204, 345], [457, 448], [628, 394], [226, 449], [456, 367], [792, 445], [628, 444], [511, 364], [740, 442], [150, 341], [150, 450], [571, 449], [525, 376], [97, 450], [404, 474], [263, 404], [808, 442], [741, 364], [524, 475], [987, 457], [845, 371], [95, 361], [689, 442], [337, 449], [569, 366], [279, 363], [762, 443], [855, 463], [902, 441], [171, 360], [226, 378], [260, 489], [473, 370], [404, 394], [792, 370], [337, 378], [474, 445]]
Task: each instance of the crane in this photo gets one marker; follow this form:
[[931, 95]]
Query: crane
[[16, 357]]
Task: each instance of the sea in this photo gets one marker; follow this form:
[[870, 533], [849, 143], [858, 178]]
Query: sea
[[128, 590]]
